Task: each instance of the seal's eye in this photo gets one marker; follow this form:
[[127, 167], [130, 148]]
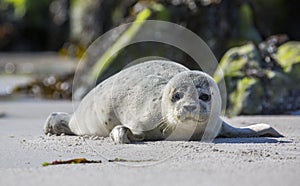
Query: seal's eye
[[205, 97], [177, 96]]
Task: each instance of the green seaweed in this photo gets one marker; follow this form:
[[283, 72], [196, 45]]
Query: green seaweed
[[288, 55], [238, 97], [108, 57]]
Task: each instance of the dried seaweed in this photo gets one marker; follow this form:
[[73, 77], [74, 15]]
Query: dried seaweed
[[71, 161], [84, 161]]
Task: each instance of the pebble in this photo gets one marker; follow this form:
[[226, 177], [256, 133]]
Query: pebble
[[2, 114]]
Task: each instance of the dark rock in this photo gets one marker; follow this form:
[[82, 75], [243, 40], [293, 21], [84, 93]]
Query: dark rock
[[256, 88]]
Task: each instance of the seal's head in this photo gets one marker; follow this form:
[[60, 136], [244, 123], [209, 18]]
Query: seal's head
[[190, 100]]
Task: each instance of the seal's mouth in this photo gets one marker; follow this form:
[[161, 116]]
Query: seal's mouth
[[192, 117], [187, 118]]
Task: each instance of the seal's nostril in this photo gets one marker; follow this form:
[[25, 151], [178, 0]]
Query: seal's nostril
[[190, 108]]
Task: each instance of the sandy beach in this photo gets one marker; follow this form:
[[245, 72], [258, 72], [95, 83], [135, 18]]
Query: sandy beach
[[53, 51], [253, 161]]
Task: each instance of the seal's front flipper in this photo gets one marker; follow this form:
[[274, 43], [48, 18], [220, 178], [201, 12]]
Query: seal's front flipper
[[256, 130], [121, 134], [58, 123]]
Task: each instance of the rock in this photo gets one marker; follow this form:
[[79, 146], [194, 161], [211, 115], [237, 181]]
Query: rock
[[254, 87], [242, 100], [275, 92], [238, 65], [2, 114], [288, 56]]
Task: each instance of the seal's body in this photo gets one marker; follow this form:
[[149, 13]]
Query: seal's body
[[154, 100]]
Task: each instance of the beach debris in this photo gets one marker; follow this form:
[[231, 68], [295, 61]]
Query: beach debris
[[253, 74], [2, 114], [84, 161], [50, 87], [126, 160], [71, 161]]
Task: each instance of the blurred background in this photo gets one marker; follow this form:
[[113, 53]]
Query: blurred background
[[255, 42]]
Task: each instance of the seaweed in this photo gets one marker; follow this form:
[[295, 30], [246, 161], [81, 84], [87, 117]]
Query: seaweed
[[71, 161]]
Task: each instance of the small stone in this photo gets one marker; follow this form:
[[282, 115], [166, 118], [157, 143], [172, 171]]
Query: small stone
[[2, 114]]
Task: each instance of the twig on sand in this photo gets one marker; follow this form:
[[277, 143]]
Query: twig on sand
[[125, 160]]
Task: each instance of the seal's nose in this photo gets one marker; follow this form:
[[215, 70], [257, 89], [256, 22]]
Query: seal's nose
[[190, 108]]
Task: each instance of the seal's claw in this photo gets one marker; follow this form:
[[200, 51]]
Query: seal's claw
[[121, 134]]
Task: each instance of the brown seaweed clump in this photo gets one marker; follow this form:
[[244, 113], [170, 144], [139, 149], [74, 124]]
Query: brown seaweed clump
[[50, 87]]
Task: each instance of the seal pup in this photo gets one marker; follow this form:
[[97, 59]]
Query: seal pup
[[154, 100]]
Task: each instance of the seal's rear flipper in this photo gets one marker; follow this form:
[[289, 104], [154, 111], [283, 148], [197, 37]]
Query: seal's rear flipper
[[256, 130]]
